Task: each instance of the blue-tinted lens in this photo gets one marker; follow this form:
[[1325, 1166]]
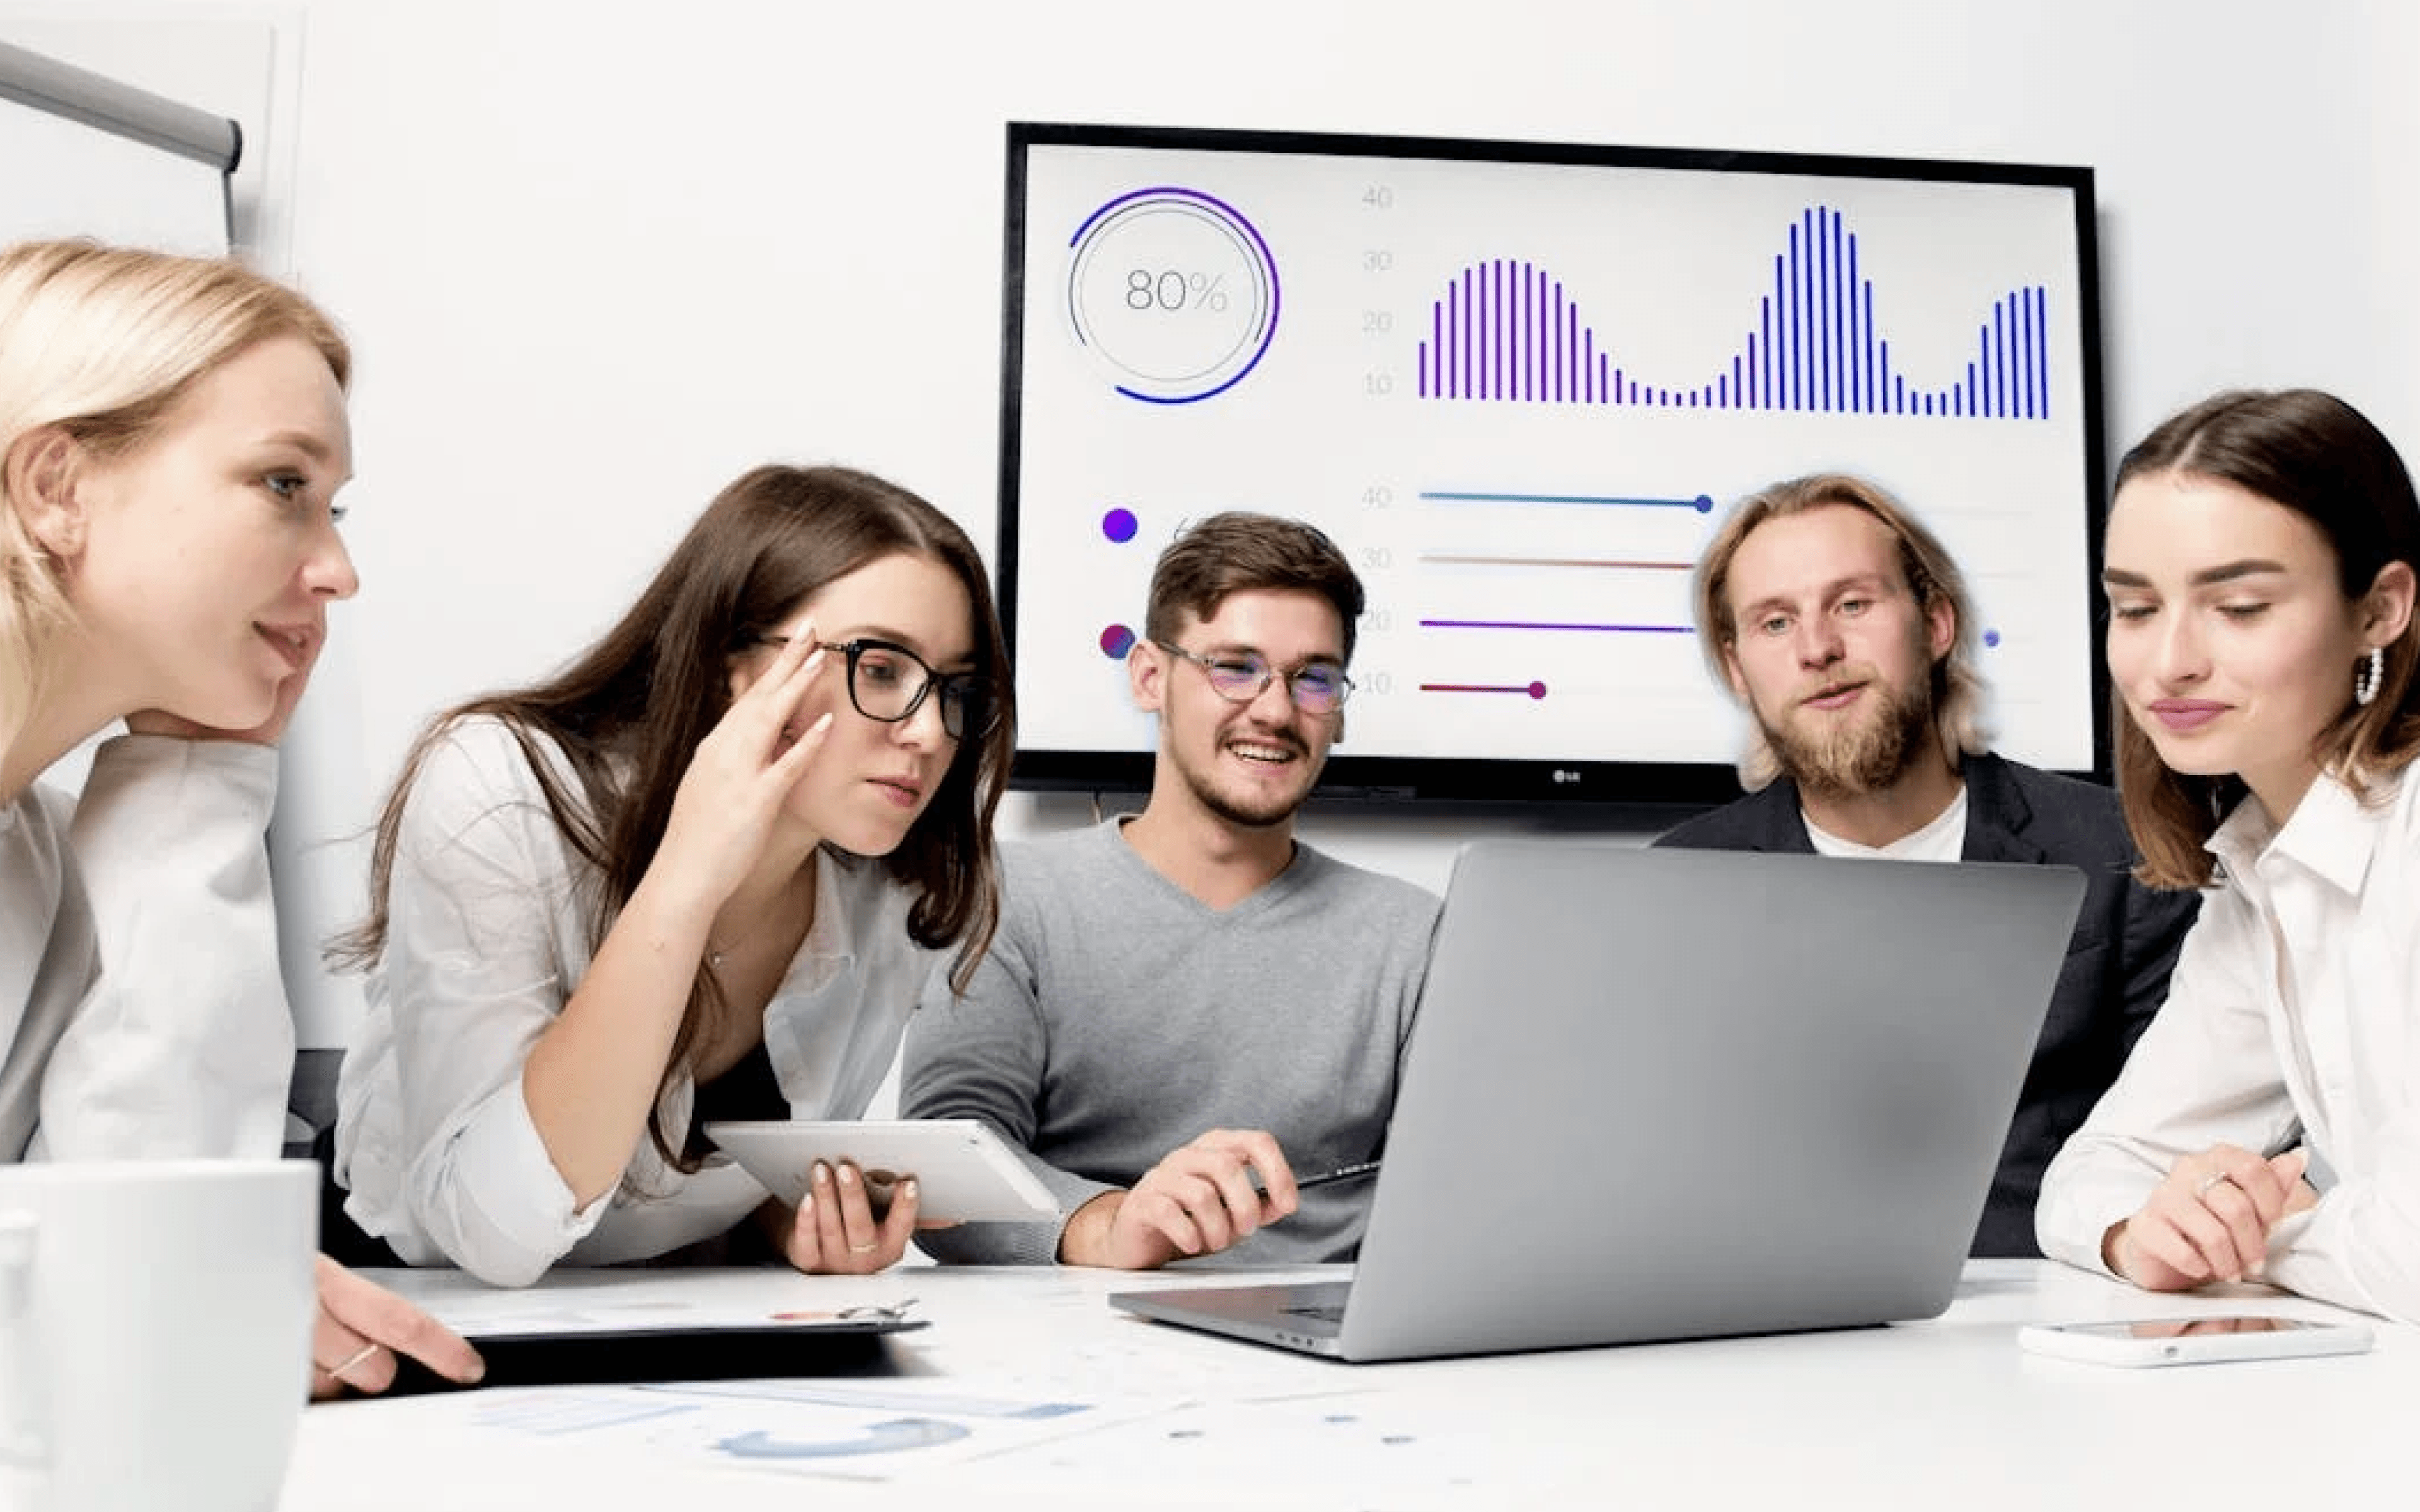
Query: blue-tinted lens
[[1319, 687], [1238, 677]]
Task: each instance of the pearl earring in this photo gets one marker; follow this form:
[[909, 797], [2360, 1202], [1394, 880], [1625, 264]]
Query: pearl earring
[[2367, 674]]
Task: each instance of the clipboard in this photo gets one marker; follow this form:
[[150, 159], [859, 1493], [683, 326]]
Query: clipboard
[[779, 1346]]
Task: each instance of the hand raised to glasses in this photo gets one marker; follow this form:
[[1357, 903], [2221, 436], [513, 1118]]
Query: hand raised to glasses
[[1199, 1200], [743, 770], [2209, 1220]]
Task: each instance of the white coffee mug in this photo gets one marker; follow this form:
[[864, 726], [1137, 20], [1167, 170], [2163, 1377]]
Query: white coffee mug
[[155, 1333]]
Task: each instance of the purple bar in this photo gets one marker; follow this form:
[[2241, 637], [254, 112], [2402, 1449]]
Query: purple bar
[[1424, 367], [1604, 388], [1824, 272], [1497, 330], [1588, 365], [1524, 334], [1566, 378], [1461, 342], [1457, 319], [1530, 332]]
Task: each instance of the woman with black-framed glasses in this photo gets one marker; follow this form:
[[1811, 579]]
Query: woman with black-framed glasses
[[701, 873]]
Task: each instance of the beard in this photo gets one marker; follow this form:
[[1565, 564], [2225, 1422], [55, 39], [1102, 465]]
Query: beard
[[1859, 756], [1255, 812]]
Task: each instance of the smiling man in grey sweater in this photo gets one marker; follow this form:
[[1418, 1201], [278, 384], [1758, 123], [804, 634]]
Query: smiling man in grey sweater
[[1183, 1010]]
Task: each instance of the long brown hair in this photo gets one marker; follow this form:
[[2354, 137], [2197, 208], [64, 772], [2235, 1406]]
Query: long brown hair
[[2319, 456], [629, 712]]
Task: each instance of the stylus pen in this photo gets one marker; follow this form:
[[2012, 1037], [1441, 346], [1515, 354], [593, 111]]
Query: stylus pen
[[1342, 1173]]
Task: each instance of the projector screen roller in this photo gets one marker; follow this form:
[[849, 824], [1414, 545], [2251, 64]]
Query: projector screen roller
[[1521, 385]]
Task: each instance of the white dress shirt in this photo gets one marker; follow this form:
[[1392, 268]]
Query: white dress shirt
[[141, 1015], [490, 911], [2294, 1013]]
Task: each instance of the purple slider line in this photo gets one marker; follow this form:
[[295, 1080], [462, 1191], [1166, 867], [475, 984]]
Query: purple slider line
[[1474, 688], [1541, 625]]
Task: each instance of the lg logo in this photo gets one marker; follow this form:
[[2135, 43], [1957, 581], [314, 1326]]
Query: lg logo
[[1562, 777]]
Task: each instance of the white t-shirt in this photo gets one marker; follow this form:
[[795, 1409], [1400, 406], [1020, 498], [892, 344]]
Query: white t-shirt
[[142, 1013], [1943, 840]]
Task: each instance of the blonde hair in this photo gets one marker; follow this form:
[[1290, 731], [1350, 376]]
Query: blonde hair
[[1957, 688], [99, 343]]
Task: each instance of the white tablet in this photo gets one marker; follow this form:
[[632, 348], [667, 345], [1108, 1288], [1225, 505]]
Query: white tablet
[[964, 1173], [2157, 1341]]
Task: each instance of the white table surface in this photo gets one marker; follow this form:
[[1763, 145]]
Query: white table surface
[[1945, 1413]]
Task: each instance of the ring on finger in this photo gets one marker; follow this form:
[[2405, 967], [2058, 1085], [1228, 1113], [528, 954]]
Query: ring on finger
[[336, 1372], [2202, 1188], [864, 1249]]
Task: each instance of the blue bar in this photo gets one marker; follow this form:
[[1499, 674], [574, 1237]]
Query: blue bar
[[1875, 401], [1764, 382], [1820, 307], [2041, 338], [2004, 325], [1837, 358]]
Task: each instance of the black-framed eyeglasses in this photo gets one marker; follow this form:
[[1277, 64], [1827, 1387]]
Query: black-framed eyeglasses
[[889, 683], [1315, 686]]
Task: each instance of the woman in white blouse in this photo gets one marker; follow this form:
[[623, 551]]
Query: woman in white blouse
[[2259, 571], [172, 438], [702, 872]]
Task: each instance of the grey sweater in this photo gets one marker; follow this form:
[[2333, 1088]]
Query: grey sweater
[[1117, 1017]]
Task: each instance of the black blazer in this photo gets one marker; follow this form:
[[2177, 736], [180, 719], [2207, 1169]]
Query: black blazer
[[2117, 961]]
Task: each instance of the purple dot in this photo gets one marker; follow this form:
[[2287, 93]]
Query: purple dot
[[1705, 504], [1537, 690], [1991, 637], [1119, 525], [1116, 641]]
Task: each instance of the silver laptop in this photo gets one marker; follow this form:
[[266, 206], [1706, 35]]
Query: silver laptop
[[1665, 1094]]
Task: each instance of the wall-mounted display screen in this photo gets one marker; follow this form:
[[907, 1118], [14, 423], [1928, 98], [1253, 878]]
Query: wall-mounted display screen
[[1520, 384]]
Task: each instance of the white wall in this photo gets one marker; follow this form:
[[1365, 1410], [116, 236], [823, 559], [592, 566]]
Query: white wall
[[597, 260]]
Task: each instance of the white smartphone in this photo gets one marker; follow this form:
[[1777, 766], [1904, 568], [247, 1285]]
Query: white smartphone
[[964, 1173], [2151, 1341]]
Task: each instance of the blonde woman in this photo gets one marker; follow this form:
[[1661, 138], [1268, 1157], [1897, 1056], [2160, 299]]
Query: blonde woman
[[172, 438]]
